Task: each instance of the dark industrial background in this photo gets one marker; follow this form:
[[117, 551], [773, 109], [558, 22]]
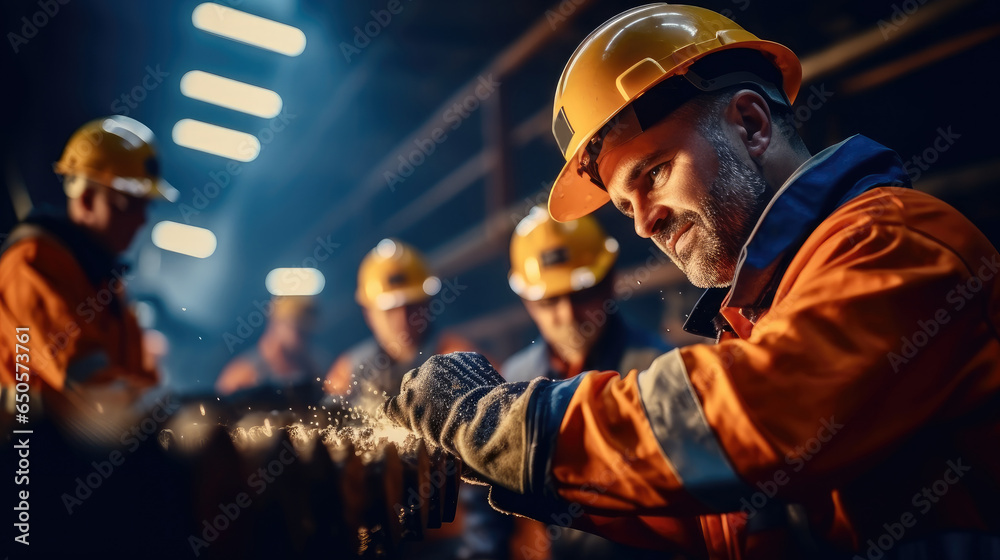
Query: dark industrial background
[[902, 72]]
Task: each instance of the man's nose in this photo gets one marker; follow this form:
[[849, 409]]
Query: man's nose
[[563, 310], [650, 218]]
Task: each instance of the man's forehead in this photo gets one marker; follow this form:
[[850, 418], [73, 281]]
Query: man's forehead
[[619, 165]]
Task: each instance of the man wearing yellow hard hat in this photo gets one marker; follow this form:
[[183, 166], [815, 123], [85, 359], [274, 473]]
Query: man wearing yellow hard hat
[[564, 275], [849, 406], [60, 281], [395, 288]]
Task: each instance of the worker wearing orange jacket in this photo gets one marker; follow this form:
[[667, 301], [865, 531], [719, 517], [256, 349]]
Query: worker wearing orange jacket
[[850, 406], [59, 277]]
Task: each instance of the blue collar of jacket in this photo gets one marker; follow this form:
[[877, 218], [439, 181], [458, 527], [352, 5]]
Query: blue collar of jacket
[[820, 186]]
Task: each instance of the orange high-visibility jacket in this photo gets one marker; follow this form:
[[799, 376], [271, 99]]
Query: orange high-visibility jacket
[[620, 346], [70, 295], [852, 403]]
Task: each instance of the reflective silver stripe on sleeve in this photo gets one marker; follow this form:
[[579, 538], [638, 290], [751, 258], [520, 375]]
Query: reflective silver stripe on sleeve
[[81, 369], [685, 437]]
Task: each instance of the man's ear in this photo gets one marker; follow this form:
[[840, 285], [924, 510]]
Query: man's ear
[[367, 315], [751, 118], [530, 307]]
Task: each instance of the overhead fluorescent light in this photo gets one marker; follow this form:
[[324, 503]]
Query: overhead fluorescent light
[[231, 94], [295, 282], [216, 140], [184, 239], [248, 28]]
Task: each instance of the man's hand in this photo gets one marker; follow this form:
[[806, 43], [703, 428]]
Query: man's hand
[[459, 402]]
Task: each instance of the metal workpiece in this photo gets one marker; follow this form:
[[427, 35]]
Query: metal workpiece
[[251, 488], [344, 489]]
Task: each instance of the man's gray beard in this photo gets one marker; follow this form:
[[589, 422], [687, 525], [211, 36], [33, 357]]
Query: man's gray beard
[[736, 199]]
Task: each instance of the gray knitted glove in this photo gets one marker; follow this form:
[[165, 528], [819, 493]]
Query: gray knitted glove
[[459, 402]]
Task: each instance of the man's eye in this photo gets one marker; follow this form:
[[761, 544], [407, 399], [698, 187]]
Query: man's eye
[[655, 172]]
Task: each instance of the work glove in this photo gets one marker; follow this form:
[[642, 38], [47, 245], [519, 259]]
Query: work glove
[[460, 403]]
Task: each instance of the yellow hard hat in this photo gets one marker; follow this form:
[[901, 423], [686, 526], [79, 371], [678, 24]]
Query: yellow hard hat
[[627, 57], [118, 152], [394, 274], [549, 259]]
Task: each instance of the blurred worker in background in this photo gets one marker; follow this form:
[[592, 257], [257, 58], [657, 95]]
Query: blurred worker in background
[[565, 275], [394, 291], [284, 364], [850, 404], [401, 300], [60, 278]]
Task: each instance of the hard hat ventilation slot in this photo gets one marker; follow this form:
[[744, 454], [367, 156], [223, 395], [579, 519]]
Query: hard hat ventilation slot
[[397, 279], [562, 130], [555, 256]]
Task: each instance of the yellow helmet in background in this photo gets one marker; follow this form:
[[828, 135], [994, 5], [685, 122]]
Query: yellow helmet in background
[[394, 274], [118, 152], [549, 258], [624, 59]]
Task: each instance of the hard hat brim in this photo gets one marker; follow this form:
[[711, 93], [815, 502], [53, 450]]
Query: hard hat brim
[[166, 191], [393, 299], [159, 187], [573, 196]]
